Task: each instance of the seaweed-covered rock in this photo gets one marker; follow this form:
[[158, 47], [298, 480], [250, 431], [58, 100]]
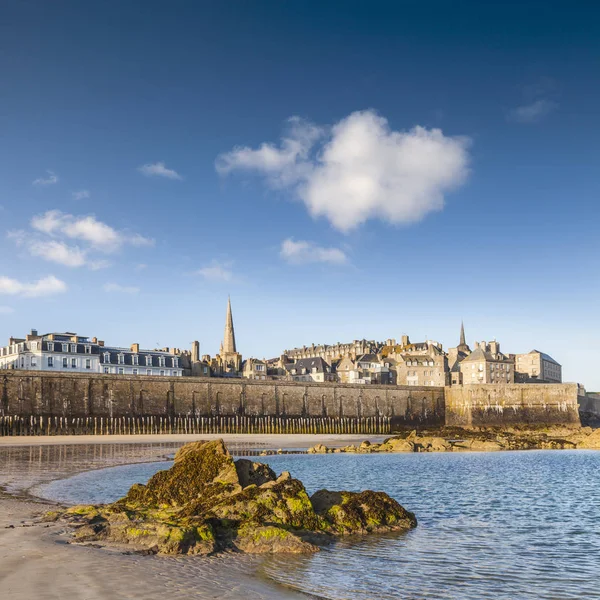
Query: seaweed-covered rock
[[362, 512], [206, 502]]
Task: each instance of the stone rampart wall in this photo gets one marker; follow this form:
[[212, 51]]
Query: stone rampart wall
[[518, 404], [79, 397], [112, 396]]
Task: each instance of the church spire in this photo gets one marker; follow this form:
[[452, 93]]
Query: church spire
[[229, 338], [462, 334]]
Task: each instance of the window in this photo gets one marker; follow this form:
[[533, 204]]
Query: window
[[175, 362], [135, 371], [161, 361], [34, 345], [148, 371], [33, 361], [88, 349], [65, 347], [73, 363], [136, 359], [50, 347], [121, 359], [293, 371], [50, 361], [106, 357], [65, 362], [88, 363], [162, 372], [73, 347], [121, 371], [106, 370], [148, 361]]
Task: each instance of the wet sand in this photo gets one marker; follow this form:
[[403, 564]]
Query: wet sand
[[37, 562]]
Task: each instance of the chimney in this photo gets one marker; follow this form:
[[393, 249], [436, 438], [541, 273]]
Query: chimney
[[135, 348], [100, 342], [405, 340], [195, 351], [94, 340]]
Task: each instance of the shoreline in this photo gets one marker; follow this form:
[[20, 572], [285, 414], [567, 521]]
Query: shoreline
[[36, 559], [275, 440]]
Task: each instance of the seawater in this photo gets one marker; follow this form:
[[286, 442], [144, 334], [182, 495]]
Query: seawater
[[505, 525]]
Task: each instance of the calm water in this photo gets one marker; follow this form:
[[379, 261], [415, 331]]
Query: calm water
[[512, 526]]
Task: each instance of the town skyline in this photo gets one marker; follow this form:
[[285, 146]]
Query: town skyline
[[133, 200]]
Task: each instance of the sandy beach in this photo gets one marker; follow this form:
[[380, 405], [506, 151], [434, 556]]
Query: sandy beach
[[37, 562]]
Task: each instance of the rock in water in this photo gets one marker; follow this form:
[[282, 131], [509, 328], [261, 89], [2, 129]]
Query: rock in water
[[207, 502]]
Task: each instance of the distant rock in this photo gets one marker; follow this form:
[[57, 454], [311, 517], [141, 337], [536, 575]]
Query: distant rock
[[207, 502]]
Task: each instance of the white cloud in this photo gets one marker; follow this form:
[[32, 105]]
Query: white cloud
[[96, 265], [217, 272], [81, 195], [534, 112], [6, 310], [50, 180], [159, 169], [124, 289], [58, 252], [46, 286], [360, 169], [302, 252], [88, 229]]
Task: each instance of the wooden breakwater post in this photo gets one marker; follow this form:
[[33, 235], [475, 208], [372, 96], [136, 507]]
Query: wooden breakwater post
[[31, 425]]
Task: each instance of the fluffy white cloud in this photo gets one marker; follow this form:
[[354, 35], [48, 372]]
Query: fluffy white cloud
[[46, 286], [534, 112], [217, 272], [302, 252], [124, 289], [50, 180], [58, 252], [160, 170], [81, 195], [360, 169], [88, 229]]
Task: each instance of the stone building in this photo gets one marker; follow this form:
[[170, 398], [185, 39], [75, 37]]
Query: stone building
[[310, 369], [254, 368], [135, 361], [338, 351], [537, 366], [486, 364], [456, 356], [422, 363]]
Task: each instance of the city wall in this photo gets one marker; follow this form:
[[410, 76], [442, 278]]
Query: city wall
[[506, 405], [83, 396], [83, 403]]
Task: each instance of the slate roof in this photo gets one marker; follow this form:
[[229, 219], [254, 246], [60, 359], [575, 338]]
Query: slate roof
[[309, 364], [545, 357], [128, 357]]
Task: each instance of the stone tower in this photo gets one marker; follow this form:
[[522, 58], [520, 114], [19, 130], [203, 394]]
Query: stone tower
[[230, 360], [462, 346], [229, 337]]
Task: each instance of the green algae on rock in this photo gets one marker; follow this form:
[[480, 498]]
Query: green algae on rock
[[207, 502]]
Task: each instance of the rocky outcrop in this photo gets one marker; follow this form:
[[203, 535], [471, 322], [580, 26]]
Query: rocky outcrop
[[207, 502], [480, 440]]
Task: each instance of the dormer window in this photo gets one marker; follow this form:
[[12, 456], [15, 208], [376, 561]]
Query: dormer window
[[161, 361], [65, 347], [293, 371], [106, 357], [175, 362], [121, 359], [148, 361], [136, 359], [50, 347], [88, 349], [73, 347]]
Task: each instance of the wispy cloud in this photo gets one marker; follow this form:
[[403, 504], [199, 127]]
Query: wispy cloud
[[159, 169], [122, 289], [80, 195], [359, 169], [141, 267], [47, 286], [302, 252], [6, 310], [533, 112], [217, 271], [52, 235], [51, 179]]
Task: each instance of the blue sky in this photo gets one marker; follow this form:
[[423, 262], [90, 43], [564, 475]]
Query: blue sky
[[342, 170]]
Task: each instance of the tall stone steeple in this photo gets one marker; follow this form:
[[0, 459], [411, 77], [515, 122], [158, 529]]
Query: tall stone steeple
[[462, 346], [229, 338]]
